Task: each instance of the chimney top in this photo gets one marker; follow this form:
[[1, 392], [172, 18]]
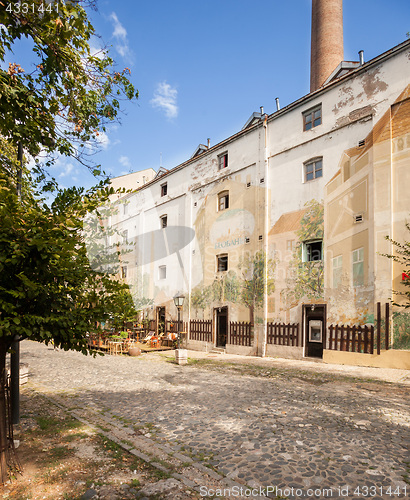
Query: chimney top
[[327, 40]]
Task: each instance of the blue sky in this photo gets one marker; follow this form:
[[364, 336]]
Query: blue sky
[[203, 67]]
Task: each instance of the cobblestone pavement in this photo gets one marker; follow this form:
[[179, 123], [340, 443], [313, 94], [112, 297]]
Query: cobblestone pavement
[[310, 437]]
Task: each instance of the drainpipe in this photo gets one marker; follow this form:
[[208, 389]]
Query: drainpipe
[[266, 237]]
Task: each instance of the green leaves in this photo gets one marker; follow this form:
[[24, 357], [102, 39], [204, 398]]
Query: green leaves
[[70, 94], [48, 289]]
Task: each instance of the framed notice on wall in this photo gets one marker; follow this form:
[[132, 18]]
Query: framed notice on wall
[[315, 331]]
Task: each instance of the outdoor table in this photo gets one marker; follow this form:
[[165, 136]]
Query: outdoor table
[[115, 347]]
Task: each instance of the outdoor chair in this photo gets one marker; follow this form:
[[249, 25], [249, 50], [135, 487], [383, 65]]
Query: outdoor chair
[[155, 341], [147, 338]]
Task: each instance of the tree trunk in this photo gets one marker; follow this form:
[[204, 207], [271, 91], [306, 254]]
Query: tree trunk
[[4, 345], [251, 314]]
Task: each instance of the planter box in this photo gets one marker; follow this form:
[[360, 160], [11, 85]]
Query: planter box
[[181, 356]]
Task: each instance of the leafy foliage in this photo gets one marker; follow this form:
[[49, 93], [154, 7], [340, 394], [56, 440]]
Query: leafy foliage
[[48, 290], [65, 99], [307, 278], [257, 270], [401, 255], [401, 330]]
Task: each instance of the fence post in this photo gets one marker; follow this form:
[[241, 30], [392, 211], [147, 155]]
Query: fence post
[[387, 325], [354, 338], [378, 327]]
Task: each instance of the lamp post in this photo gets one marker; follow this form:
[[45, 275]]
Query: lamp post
[[180, 354]]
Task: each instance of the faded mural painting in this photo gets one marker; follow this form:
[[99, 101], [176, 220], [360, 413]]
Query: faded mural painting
[[234, 240]]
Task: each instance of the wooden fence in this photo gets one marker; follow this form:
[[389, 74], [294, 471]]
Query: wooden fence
[[362, 339], [283, 334], [240, 333], [172, 326], [351, 338], [200, 330]]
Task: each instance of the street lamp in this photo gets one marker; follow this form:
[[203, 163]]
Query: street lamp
[[179, 302]]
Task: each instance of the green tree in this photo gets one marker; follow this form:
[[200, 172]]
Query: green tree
[[48, 289], [124, 307], [258, 272], [58, 105], [307, 278], [63, 101], [401, 317], [401, 255], [200, 298]]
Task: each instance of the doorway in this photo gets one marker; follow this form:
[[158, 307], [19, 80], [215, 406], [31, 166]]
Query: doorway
[[160, 320], [221, 314], [314, 316]]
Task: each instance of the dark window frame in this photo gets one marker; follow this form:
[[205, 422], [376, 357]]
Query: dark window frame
[[311, 248], [164, 221], [223, 200], [312, 118], [223, 160], [164, 189], [313, 169], [222, 262]]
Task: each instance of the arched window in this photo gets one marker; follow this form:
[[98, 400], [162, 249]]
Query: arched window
[[223, 200]]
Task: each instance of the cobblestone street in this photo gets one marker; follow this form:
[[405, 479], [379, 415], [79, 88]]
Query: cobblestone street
[[302, 432]]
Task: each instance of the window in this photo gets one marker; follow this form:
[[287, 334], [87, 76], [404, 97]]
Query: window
[[358, 267], [290, 245], [164, 221], [125, 236], [124, 271], [162, 272], [222, 161], [312, 118], [312, 251], [125, 208], [222, 262], [313, 169], [337, 265], [223, 200], [164, 189]]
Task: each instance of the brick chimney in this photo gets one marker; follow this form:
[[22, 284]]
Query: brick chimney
[[327, 40]]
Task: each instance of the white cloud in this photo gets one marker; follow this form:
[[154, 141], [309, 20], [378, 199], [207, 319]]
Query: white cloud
[[120, 34], [97, 52], [103, 140], [125, 161], [67, 170], [165, 98]]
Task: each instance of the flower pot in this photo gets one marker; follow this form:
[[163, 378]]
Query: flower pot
[[134, 351]]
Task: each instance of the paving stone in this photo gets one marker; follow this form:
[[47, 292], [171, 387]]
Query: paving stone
[[268, 431]]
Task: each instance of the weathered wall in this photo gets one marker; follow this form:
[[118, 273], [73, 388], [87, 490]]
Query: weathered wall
[[273, 208]]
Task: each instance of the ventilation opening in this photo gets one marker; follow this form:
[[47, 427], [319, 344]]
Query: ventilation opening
[[260, 237], [262, 180], [358, 218], [362, 143], [247, 240], [248, 184]]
